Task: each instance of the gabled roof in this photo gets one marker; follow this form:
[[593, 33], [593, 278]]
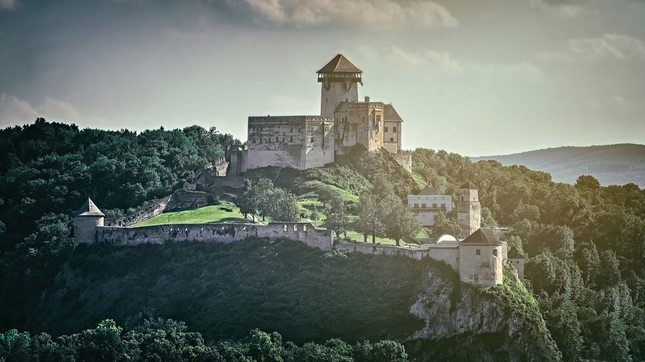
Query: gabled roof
[[89, 209], [482, 237], [342, 107], [390, 114], [515, 254], [428, 191], [469, 185], [339, 64]]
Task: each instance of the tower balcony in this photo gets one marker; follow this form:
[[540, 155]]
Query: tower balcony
[[339, 77]]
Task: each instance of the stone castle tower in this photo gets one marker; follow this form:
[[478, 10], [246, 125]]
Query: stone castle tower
[[339, 80], [468, 209], [86, 219]]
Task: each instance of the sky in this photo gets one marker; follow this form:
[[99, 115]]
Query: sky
[[475, 77]]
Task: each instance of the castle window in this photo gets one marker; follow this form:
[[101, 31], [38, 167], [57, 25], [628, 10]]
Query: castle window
[[386, 129], [326, 100], [291, 129], [391, 139], [295, 227], [378, 118], [478, 252], [276, 139], [327, 129], [495, 252], [443, 206], [285, 228], [304, 227], [290, 138], [416, 205], [312, 140], [394, 129], [423, 206], [434, 206]]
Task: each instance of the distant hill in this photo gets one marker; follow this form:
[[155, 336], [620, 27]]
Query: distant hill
[[611, 164]]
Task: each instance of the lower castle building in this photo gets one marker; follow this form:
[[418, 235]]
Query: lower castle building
[[308, 141]]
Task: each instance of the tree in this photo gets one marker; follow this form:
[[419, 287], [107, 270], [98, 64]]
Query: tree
[[399, 221], [337, 219], [444, 225], [369, 217]]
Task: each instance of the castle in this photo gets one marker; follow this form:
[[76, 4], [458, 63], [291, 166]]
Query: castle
[[303, 142]]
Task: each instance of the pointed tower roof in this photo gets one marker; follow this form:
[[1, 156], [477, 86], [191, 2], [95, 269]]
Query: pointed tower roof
[[89, 209], [428, 191], [515, 254], [339, 64], [482, 237], [469, 185]]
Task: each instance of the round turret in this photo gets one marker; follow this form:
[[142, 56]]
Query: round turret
[[86, 220]]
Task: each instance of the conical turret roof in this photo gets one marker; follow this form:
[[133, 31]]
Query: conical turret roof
[[89, 209], [339, 64], [515, 254]]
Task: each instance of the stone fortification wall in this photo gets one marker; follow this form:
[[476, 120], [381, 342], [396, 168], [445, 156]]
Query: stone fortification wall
[[223, 233], [179, 200], [446, 253], [147, 212]]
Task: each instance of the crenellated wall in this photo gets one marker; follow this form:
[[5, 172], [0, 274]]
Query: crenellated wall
[[222, 233]]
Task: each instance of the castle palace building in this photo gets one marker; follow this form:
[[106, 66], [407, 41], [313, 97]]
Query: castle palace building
[[303, 142]]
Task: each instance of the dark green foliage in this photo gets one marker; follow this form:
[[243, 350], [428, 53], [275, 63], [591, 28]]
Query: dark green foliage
[[47, 170], [170, 341], [283, 286]]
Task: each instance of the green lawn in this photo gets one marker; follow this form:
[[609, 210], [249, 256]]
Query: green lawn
[[207, 214]]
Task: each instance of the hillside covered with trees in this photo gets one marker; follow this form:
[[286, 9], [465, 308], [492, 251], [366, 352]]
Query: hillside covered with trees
[[585, 273]]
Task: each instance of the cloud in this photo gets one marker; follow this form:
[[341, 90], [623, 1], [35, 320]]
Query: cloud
[[434, 62], [7, 4], [524, 70], [57, 110], [377, 13], [15, 111], [608, 47], [564, 9], [555, 57]]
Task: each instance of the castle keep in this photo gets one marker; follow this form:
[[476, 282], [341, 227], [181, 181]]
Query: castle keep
[[303, 142]]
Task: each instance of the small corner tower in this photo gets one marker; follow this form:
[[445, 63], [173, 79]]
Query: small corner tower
[[517, 259], [86, 219], [480, 258], [468, 209], [338, 78]]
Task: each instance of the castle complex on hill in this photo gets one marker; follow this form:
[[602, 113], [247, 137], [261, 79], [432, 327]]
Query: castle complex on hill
[[303, 142]]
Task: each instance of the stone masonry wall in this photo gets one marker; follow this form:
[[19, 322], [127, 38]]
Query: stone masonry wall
[[223, 233], [447, 254]]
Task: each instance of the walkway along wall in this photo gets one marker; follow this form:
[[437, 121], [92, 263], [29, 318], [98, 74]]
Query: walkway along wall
[[223, 233]]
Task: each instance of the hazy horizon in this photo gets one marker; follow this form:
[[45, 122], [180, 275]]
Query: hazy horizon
[[474, 78]]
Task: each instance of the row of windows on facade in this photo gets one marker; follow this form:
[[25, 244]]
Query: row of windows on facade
[[434, 206], [260, 129]]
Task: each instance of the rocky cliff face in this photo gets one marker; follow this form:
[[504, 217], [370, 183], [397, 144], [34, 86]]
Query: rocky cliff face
[[479, 324]]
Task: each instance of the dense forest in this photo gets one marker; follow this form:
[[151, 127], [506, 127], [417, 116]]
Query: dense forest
[[586, 265]]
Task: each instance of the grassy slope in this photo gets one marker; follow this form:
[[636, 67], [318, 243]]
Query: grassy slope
[[207, 214]]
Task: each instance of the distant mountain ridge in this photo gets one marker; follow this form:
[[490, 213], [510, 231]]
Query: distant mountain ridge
[[616, 164]]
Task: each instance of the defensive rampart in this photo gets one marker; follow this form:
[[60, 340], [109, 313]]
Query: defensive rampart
[[222, 233], [446, 253]]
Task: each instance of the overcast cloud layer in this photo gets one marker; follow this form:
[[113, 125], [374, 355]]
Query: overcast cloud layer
[[469, 76]]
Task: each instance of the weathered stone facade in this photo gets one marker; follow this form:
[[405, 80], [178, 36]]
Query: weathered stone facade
[[468, 209]]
